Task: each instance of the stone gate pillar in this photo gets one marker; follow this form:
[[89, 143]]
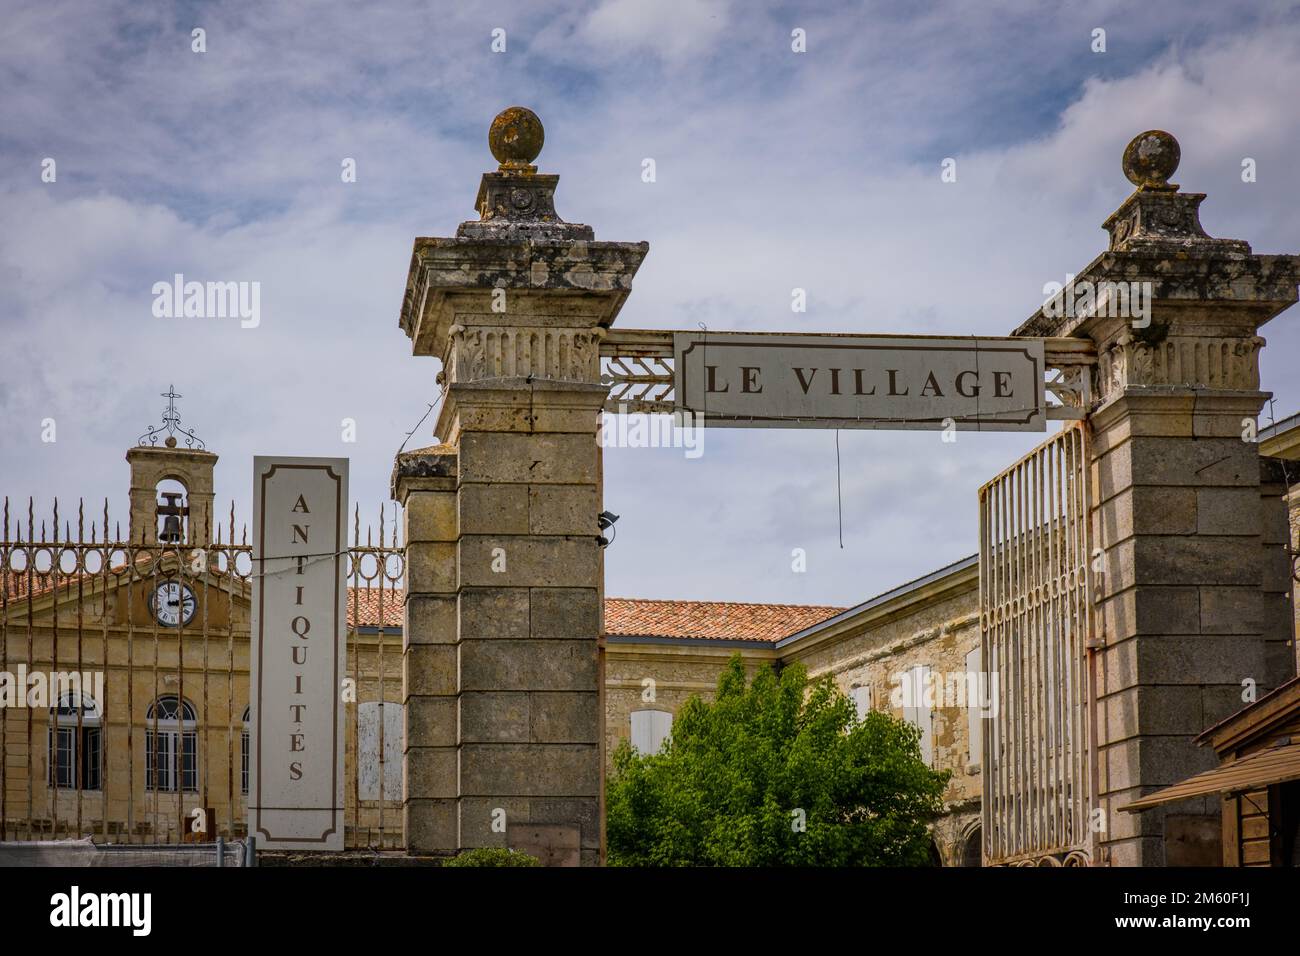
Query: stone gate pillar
[[515, 306], [1187, 599]]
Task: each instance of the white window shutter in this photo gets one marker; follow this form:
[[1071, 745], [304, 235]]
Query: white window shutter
[[650, 728], [862, 700], [974, 699], [368, 750], [920, 714]]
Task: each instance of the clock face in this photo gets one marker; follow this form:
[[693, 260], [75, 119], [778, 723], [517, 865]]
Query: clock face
[[172, 603]]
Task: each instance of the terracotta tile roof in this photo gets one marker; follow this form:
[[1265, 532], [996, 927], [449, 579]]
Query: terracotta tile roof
[[630, 617], [627, 617], [364, 607], [719, 620]]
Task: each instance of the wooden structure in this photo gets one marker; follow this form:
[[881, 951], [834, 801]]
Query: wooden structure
[[1258, 780]]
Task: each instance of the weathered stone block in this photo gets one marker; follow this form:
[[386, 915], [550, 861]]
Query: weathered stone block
[[564, 613], [529, 770], [484, 820], [1175, 462], [1150, 610], [522, 413], [1231, 610], [569, 459], [1142, 509], [430, 620], [494, 509], [563, 509], [1153, 762], [494, 613], [431, 517], [565, 718], [584, 811], [431, 567], [494, 717], [431, 721], [430, 772], [528, 665], [1220, 701], [1192, 659], [1228, 511], [1153, 710], [430, 670], [430, 826], [499, 561], [1170, 559]]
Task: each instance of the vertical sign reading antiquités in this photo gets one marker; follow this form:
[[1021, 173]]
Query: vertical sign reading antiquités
[[296, 660]]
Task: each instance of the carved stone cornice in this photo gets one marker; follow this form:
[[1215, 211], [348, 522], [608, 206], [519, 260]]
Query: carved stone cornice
[[1219, 362], [451, 279], [479, 353]]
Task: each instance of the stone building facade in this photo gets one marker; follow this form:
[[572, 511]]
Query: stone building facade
[[658, 653]]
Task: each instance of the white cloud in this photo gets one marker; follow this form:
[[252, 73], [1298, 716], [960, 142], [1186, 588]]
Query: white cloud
[[775, 170]]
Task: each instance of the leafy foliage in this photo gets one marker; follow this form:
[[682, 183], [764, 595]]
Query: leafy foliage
[[727, 787], [493, 856]]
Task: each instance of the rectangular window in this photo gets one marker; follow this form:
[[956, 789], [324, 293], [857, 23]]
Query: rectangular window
[[861, 700], [650, 728], [171, 757], [72, 765]]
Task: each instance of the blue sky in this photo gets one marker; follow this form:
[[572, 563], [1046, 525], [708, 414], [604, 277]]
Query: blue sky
[[775, 170]]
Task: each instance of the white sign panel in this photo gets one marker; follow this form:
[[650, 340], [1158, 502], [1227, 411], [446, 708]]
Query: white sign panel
[[296, 661], [761, 380]]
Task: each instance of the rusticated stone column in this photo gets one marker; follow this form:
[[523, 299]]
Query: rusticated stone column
[[515, 306], [424, 482], [1187, 611]]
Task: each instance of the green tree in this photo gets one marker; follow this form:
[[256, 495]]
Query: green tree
[[777, 773]]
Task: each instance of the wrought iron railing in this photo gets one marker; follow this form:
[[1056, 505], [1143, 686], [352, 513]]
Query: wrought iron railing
[[124, 682]]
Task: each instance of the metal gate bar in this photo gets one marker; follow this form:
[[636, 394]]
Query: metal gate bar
[[1035, 618]]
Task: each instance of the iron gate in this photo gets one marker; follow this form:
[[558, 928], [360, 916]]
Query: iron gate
[[1036, 621], [117, 726]]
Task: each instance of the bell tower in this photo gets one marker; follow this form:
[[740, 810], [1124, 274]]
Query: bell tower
[[162, 513]]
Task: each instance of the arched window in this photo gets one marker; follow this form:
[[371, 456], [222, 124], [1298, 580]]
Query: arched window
[[76, 743], [650, 728], [243, 755], [973, 849], [171, 743], [172, 504]]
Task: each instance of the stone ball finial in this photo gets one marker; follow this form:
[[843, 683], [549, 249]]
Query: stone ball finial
[[1151, 158], [516, 137]]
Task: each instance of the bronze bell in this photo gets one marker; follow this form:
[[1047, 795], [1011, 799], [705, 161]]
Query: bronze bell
[[171, 509], [171, 530]]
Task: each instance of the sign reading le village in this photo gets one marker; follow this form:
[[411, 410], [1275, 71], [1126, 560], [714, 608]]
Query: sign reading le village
[[860, 381], [296, 663]]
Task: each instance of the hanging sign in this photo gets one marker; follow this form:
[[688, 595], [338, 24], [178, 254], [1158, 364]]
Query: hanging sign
[[762, 380]]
